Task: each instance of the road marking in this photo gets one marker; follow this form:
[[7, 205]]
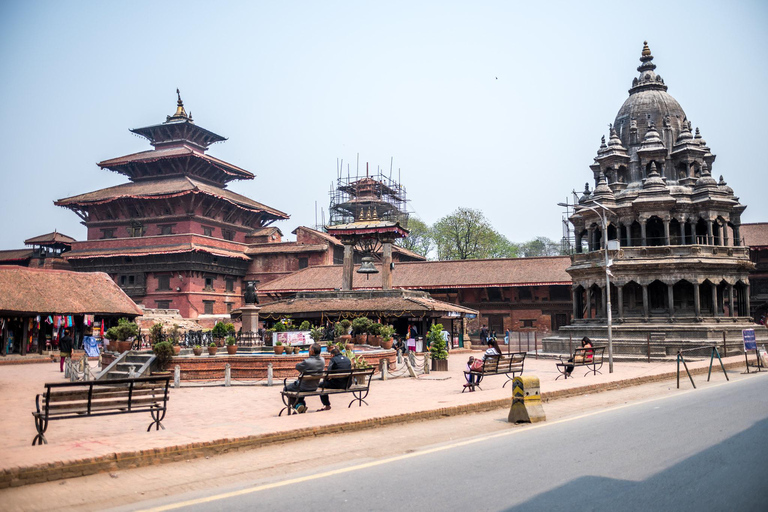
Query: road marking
[[405, 456]]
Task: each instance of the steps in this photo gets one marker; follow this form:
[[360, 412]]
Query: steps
[[127, 365]]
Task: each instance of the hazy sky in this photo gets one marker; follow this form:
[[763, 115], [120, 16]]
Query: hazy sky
[[498, 106]]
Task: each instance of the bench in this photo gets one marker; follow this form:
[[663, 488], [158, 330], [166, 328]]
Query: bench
[[589, 357], [64, 400], [496, 365], [356, 381]]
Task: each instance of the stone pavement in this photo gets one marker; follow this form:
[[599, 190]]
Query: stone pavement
[[207, 420]]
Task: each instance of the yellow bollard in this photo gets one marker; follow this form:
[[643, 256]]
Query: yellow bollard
[[526, 401]]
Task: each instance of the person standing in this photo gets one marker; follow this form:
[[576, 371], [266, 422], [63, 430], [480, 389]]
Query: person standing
[[65, 348], [484, 335], [338, 362]]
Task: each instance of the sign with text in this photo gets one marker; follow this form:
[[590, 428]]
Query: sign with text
[[294, 338], [749, 339]]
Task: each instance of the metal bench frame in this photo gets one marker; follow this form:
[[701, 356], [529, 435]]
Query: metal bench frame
[[358, 382], [504, 364], [591, 358]]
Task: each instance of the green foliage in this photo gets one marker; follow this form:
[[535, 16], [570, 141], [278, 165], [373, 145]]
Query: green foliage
[[339, 329], [360, 325], [221, 329], [156, 333], [280, 327], [174, 334], [305, 326], [212, 344], [316, 334], [375, 329], [540, 246], [123, 330], [164, 352], [436, 342], [466, 234], [387, 332], [419, 240], [231, 340], [278, 343], [347, 325]]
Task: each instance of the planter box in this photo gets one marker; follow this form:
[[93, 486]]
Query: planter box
[[439, 365]]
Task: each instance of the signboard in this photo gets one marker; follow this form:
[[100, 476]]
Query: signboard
[[749, 339], [293, 338]]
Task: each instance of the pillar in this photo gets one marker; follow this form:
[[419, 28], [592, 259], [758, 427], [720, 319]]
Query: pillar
[[737, 235], [575, 301], [671, 300], [628, 232], [349, 265], [666, 231], [724, 237], [646, 308], [714, 300], [746, 301], [578, 241], [696, 300], [620, 300], [682, 232], [590, 238], [643, 240], [589, 302], [731, 309], [710, 235], [386, 267]]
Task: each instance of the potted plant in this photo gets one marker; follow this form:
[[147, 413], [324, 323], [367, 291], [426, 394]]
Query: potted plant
[[360, 327], [163, 353], [197, 350], [279, 347], [121, 333], [437, 349], [374, 334], [212, 349], [173, 336], [269, 337], [387, 333], [231, 345], [220, 331], [305, 326]]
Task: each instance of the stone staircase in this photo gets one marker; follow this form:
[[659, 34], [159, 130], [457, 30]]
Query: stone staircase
[[127, 365]]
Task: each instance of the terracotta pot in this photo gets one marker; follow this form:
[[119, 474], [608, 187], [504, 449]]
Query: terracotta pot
[[198, 351], [124, 346], [279, 349], [296, 350], [361, 339], [350, 346], [387, 344], [374, 341], [176, 349], [231, 349], [212, 351]]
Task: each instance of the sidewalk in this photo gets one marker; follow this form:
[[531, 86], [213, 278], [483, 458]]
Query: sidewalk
[[208, 420]]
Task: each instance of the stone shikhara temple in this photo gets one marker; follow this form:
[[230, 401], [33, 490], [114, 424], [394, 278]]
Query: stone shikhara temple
[[678, 262]]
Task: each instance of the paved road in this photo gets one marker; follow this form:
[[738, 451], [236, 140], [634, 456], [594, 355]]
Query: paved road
[[698, 450]]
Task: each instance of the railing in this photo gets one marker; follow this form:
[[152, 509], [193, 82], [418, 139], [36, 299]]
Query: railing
[[203, 338], [628, 253]]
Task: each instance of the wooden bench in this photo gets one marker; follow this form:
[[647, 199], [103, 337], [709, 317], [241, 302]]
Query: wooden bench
[[356, 381], [64, 400], [496, 365], [589, 357]]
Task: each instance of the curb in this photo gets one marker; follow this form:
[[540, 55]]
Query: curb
[[58, 470]]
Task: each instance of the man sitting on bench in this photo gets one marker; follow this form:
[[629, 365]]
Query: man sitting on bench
[[338, 362], [313, 364]]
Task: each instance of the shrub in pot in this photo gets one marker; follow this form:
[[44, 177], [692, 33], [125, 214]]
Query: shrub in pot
[[212, 349], [360, 328], [387, 333], [197, 350], [231, 345], [279, 347], [437, 348], [163, 353]]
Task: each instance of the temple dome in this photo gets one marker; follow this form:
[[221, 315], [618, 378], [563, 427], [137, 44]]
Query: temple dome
[[648, 104]]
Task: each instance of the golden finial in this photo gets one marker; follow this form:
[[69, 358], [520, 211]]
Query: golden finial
[[179, 106], [646, 50]]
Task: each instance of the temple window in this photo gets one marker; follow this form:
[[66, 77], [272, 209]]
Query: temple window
[[164, 282], [136, 230], [208, 307], [163, 304], [230, 283], [107, 233], [227, 234], [166, 229], [208, 284], [303, 263], [229, 306], [207, 231], [654, 232]]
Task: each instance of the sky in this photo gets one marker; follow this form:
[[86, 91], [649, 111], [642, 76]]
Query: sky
[[496, 106]]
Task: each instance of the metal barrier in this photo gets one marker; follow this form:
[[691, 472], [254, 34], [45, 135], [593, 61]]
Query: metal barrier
[[714, 353]]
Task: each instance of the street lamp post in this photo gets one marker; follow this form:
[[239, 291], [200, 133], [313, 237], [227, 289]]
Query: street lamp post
[[604, 221]]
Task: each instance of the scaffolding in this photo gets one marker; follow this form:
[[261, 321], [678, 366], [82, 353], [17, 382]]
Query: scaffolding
[[366, 198]]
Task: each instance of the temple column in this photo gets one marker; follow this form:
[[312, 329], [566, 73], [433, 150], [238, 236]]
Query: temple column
[[386, 266], [714, 301], [646, 308], [724, 237], [737, 235], [746, 301], [666, 231], [620, 300], [628, 233], [696, 300], [591, 238], [574, 298], [589, 302], [643, 239], [578, 241], [671, 300], [682, 233], [731, 309], [710, 235], [348, 270]]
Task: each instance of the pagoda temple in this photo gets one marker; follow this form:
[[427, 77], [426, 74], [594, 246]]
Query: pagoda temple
[[174, 236], [678, 265]]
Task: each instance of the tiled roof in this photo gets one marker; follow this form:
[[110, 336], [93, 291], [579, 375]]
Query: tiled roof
[[265, 231], [155, 155], [166, 187], [425, 275], [50, 238], [335, 241], [755, 235], [33, 291], [109, 252], [284, 248], [15, 255], [385, 306]]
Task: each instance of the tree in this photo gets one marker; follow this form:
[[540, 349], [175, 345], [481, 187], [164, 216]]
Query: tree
[[420, 238], [540, 246], [466, 234]]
